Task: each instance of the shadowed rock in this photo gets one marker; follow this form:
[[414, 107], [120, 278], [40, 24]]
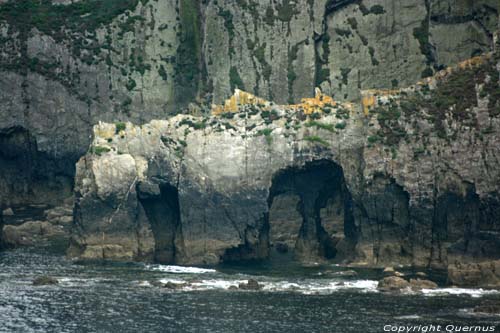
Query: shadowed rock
[[45, 280]]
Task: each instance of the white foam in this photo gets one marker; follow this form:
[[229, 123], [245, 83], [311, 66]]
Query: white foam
[[308, 287], [144, 284], [459, 291], [408, 317], [180, 269], [177, 281]]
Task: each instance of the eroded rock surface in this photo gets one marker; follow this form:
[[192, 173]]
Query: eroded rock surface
[[138, 60], [413, 172]]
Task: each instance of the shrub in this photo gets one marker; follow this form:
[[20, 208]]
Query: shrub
[[99, 150], [120, 127]]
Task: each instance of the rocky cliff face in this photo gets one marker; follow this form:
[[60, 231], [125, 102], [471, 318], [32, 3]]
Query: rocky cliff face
[[65, 65], [413, 176]]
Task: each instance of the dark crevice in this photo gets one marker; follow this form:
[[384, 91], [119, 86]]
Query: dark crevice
[[161, 204]]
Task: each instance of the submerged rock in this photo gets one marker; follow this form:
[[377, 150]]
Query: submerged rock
[[348, 273], [45, 280], [250, 285]]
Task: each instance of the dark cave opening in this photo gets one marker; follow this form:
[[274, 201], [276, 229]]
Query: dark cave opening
[[29, 176], [310, 211], [161, 205]]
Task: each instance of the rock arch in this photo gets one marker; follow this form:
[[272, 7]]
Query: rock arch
[[313, 187]]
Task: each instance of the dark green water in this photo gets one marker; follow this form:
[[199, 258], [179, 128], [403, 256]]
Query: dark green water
[[120, 298]]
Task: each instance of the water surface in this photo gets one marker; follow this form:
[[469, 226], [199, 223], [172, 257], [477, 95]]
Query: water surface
[[122, 298]]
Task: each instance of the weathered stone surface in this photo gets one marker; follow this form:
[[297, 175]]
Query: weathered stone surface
[[485, 273], [393, 284], [142, 60], [419, 284], [32, 233], [413, 173]]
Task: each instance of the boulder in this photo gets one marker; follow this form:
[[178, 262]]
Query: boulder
[[45, 280], [8, 212], [31, 233], [421, 275], [393, 283], [250, 285], [390, 271], [483, 274], [419, 284]]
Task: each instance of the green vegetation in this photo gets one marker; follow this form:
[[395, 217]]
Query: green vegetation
[[196, 125], [130, 84], [286, 10], [76, 17], [343, 32], [391, 131], [373, 138], [377, 9], [353, 23], [316, 139], [228, 21], [99, 150], [269, 18], [427, 72], [120, 127], [422, 35], [291, 76], [341, 125], [186, 68], [371, 50], [235, 80], [342, 113], [163, 73], [345, 75], [228, 115], [269, 116], [266, 132], [317, 124]]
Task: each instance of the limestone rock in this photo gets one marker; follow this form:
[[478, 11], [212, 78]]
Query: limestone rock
[[419, 284], [485, 273], [151, 59], [393, 283]]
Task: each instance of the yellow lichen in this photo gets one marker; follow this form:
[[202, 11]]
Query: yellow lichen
[[238, 99], [306, 105]]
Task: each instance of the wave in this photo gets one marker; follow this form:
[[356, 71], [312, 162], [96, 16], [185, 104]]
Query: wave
[[459, 291], [303, 287], [180, 269]]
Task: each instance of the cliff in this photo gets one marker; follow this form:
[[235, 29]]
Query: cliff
[[408, 176], [65, 65]]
